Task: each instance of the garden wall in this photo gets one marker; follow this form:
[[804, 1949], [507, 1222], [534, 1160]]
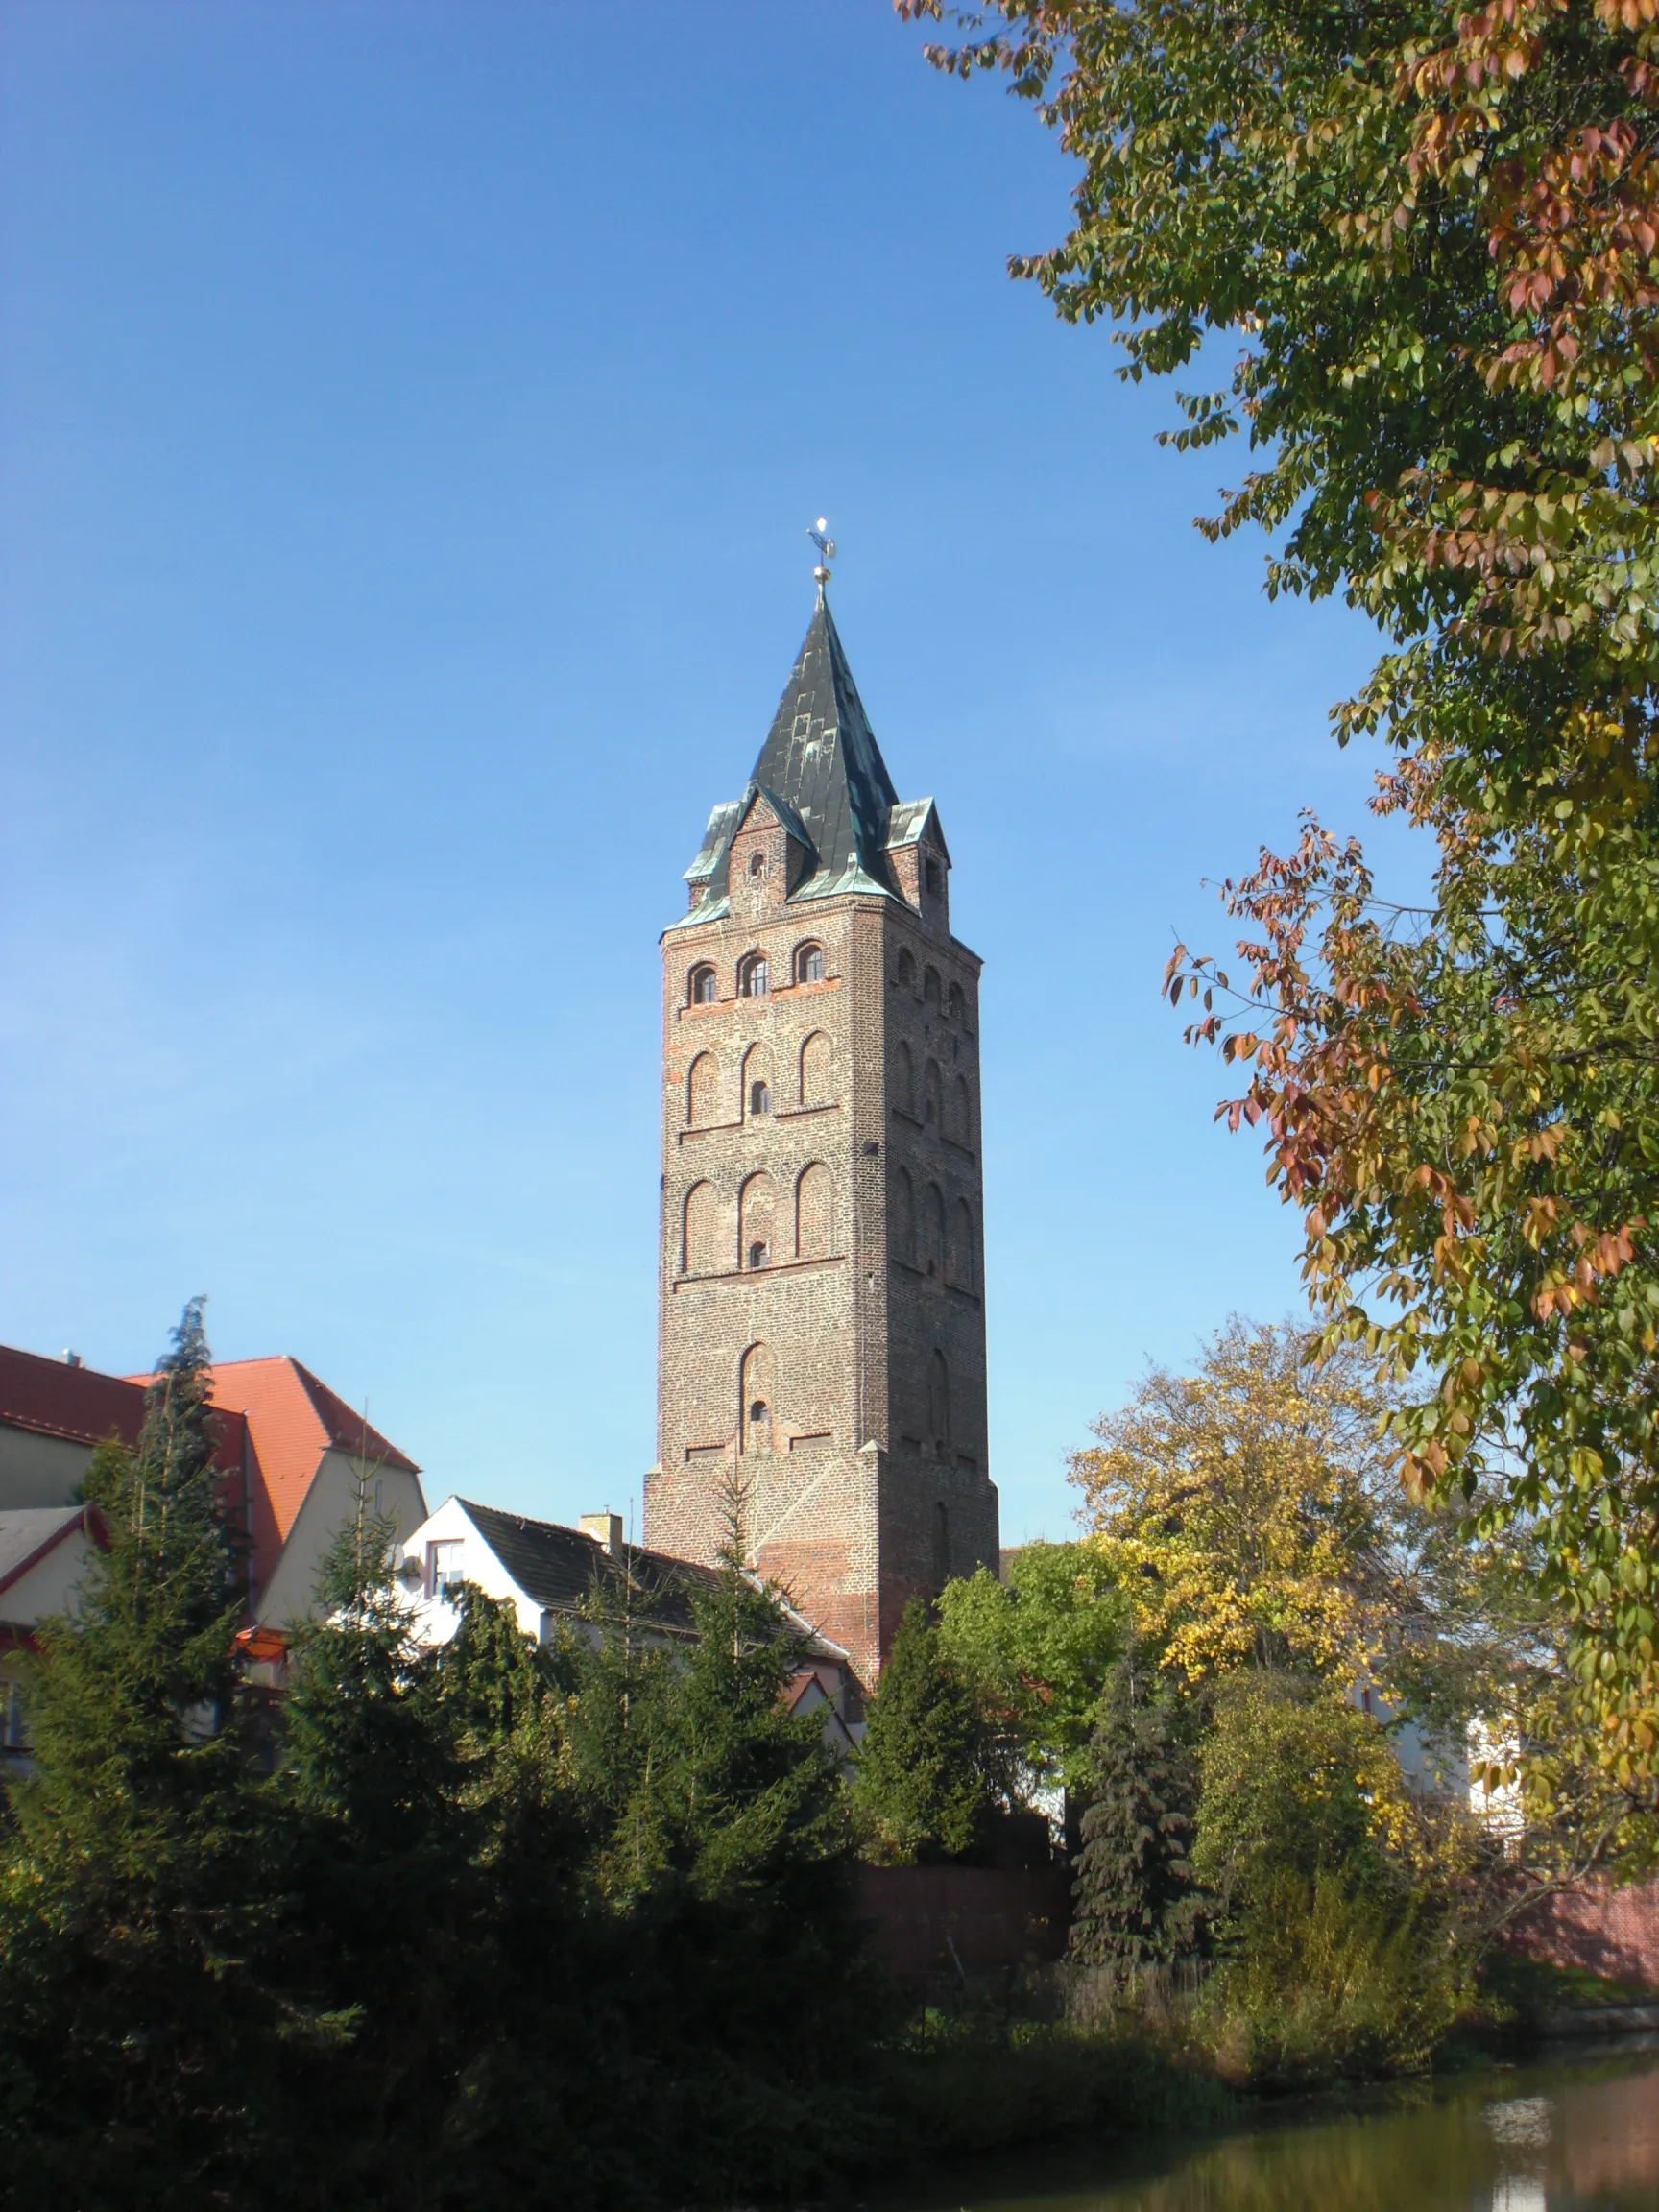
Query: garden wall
[[964, 1921], [1613, 1932]]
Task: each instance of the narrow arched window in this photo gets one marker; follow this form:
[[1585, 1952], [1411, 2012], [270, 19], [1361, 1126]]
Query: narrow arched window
[[808, 963], [757, 867], [757, 1094], [701, 991], [933, 1229], [930, 988], [934, 878], [938, 1400], [755, 1223], [906, 972], [960, 1125], [953, 1003], [905, 1078], [759, 1099], [932, 1083], [754, 976], [904, 1216], [959, 1254], [702, 1092], [699, 1251], [817, 1071], [814, 1212], [755, 1398]]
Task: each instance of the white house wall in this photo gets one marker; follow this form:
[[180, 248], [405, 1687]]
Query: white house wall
[[476, 1562], [39, 1470], [330, 1504]]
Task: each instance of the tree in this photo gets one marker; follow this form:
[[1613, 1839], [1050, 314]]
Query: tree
[[1036, 1650], [920, 1791], [1247, 1512], [135, 2032], [1435, 233], [1136, 1901]]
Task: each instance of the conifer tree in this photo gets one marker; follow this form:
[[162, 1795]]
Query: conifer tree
[[1136, 1901], [920, 1790], [130, 1900]]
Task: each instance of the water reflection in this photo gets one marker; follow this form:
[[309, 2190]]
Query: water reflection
[[1578, 2137]]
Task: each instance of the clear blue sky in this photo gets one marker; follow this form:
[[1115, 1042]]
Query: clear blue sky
[[409, 418]]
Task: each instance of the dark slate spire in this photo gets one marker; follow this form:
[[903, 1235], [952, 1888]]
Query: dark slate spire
[[821, 756]]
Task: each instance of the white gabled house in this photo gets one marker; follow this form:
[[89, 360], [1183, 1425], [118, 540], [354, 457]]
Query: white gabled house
[[547, 1573]]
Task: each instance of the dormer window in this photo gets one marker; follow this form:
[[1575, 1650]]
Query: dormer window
[[703, 985], [754, 976], [810, 964]]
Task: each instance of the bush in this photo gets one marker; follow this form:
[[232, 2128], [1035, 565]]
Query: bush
[[1330, 1983]]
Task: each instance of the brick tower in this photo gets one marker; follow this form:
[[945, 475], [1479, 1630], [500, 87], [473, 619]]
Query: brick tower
[[821, 1346]]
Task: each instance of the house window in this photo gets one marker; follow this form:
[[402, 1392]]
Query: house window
[[754, 976], [760, 1255], [759, 1099], [443, 1569], [703, 985], [810, 964], [14, 1734]]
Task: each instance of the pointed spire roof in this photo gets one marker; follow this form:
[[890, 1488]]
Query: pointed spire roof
[[821, 757]]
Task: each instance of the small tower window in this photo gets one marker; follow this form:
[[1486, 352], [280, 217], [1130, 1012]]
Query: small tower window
[[953, 1003], [759, 1099], [906, 972], [703, 985], [757, 867], [754, 976], [756, 1411], [760, 1256], [810, 964]]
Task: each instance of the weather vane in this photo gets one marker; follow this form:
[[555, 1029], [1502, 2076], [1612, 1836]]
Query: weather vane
[[818, 532]]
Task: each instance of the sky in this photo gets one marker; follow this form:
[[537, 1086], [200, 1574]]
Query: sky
[[410, 416]]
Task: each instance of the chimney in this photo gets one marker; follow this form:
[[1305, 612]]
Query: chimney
[[605, 1528], [72, 1359]]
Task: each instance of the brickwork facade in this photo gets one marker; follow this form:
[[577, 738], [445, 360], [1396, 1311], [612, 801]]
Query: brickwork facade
[[822, 1337]]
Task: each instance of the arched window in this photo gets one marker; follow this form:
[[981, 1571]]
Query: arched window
[[938, 1400], [702, 1092], [757, 867], [755, 1208], [906, 972], [814, 1212], [930, 989], [754, 976], [758, 1081], [700, 1248], [953, 1003], [808, 963], [755, 1398], [933, 1229], [932, 1084], [904, 1218], [904, 1079], [960, 1123], [959, 1254], [817, 1071], [701, 987]]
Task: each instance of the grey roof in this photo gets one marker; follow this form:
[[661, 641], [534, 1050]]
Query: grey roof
[[913, 820], [823, 773], [559, 1568]]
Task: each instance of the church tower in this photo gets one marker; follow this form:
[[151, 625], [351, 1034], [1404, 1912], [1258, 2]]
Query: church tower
[[821, 1346]]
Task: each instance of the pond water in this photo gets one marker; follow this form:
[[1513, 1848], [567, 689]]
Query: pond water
[[1577, 2134]]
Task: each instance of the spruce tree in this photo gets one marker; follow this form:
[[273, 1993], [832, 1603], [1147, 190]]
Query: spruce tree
[[131, 2021], [1135, 1901], [920, 1790]]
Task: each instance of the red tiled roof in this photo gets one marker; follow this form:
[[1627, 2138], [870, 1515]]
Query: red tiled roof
[[54, 1399]]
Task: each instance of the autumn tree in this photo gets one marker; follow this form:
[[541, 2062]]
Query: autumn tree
[[1247, 1511], [1432, 233]]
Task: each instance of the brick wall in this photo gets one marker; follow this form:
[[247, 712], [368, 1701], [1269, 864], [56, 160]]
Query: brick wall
[[1613, 1932]]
